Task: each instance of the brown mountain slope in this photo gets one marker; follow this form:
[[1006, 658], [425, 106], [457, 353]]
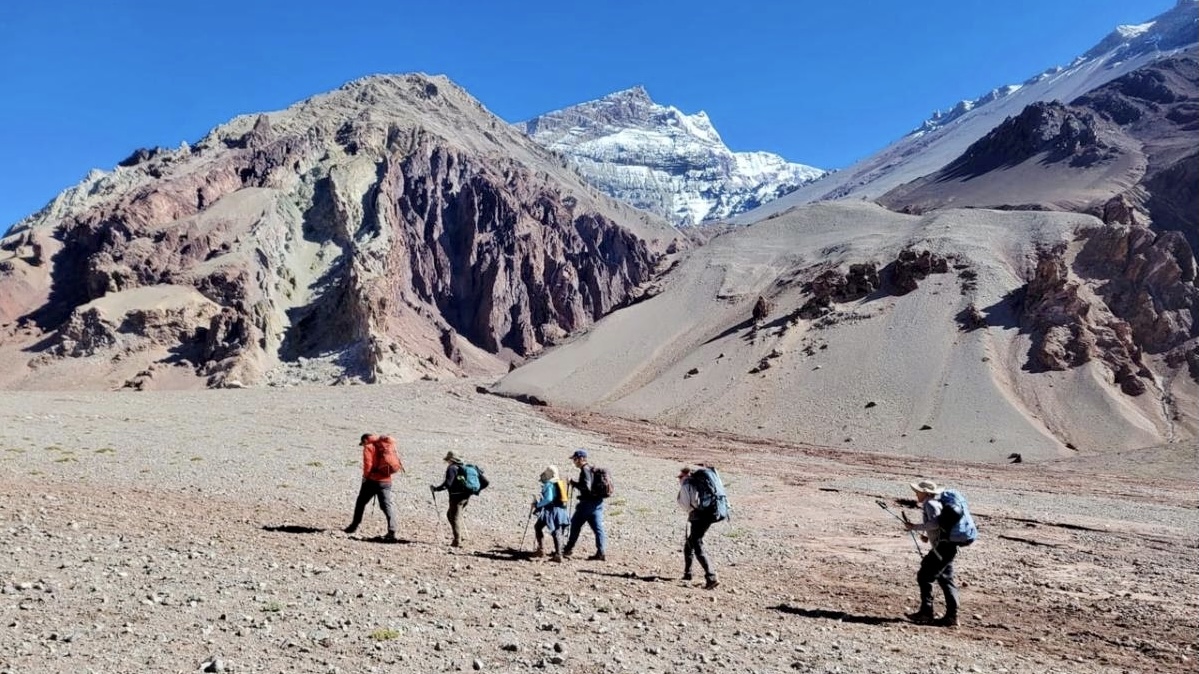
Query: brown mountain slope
[[1125, 151], [968, 334], [392, 229]]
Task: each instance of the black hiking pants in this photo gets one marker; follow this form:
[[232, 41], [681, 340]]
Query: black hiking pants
[[369, 490], [694, 547], [937, 566]]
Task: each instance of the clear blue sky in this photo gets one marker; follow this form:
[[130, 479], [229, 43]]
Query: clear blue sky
[[83, 83]]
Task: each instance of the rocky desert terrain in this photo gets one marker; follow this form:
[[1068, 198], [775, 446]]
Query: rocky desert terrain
[[187, 531]]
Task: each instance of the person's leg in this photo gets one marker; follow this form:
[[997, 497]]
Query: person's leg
[[688, 554], [452, 514], [696, 541], [556, 535], [365, 494], [539, 536], [930, 570], [388, 506], [582, 512], [597, 526], [948, 587]]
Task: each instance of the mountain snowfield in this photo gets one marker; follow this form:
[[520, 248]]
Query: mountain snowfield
[[945, 135], [662, 160]]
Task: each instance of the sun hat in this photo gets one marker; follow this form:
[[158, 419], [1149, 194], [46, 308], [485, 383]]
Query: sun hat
[[453, 457], [926, 487], [579, 454], [549, 474]]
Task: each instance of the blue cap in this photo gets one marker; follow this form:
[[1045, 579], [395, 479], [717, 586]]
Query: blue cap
[[579, 454]]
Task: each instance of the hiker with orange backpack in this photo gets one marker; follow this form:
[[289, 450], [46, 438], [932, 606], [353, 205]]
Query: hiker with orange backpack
[[379, 462], [551, 513], [593, 486]]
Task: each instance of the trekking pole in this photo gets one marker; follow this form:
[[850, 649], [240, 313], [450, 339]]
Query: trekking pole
[[436, 515], [526, 533], [883, 504]]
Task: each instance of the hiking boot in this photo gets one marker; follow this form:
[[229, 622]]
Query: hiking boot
[[711, 584], [686, 576], [390, 537], [350, 529], [597, 557], [921, 617], [947, 620], [567, 553], [556, 558], [538, 553]]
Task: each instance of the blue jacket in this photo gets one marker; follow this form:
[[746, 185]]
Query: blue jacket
[[550, 511]]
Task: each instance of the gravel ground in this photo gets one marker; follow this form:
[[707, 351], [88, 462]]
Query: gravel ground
[[183, 531]]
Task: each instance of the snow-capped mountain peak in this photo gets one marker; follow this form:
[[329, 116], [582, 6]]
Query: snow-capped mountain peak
[[661, 159]]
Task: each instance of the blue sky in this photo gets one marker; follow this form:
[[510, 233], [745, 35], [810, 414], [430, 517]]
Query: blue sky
[[84, 83]]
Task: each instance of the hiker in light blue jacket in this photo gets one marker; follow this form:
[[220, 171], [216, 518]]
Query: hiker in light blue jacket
[[551, 513]]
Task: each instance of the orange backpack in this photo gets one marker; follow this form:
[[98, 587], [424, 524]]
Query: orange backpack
[[387, 455]]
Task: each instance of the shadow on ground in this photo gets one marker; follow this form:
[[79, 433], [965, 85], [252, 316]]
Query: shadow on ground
[[292, 529], [649, 578], [839, 616], [505, 554]]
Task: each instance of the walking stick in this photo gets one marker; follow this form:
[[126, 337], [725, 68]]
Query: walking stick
[[883, 504], [526, 533], [436, 516]]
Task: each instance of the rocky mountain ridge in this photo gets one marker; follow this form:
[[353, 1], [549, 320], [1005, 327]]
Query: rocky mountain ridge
[[946, 135], [389, 230], [662, 160]]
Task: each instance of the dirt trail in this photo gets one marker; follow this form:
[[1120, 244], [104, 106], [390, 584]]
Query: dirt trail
[[158, 537]]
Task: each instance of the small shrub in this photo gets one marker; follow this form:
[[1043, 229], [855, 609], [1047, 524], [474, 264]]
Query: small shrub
[[272, 607], [385, 634], [106, 450], [314, 464]]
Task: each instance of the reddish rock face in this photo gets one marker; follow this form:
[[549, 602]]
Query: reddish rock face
[[393, 229], [1147, 304]]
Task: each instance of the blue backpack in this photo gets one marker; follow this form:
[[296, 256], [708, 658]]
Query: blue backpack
[[472, 479], [710, 490], [963, 532]]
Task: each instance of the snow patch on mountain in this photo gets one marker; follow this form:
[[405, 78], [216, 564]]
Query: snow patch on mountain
[[946, 134], [663, 160]]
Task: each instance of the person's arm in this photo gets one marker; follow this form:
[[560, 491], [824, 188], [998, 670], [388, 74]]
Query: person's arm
[[368, 459], [451, 473], [547, 496], [931, 511], [685, 498]]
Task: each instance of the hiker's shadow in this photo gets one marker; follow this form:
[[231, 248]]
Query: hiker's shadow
[[292, 529], [505, 554], [648, 578], [382, 540], [839, 616]]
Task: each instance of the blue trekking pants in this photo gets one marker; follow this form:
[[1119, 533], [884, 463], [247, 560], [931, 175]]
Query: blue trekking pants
[[592, 513]]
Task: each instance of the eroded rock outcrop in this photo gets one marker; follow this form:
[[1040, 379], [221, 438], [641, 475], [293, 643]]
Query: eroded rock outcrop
[[1069, 329], [393, 228]]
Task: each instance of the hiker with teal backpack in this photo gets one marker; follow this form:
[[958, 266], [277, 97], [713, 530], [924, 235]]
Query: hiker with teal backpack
[[702, 497], [551, 513], [948, 526], [462, 480]]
